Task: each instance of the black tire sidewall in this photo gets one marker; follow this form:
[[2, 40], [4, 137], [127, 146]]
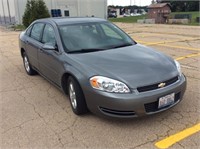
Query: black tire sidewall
[[80, 99], [31, 71]]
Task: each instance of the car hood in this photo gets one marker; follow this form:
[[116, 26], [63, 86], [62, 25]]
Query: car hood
[[135, 65]]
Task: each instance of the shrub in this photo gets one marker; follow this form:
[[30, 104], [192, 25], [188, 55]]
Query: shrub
[[35, 9]]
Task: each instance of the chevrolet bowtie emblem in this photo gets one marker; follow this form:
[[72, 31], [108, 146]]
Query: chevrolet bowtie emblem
[[161, 85]]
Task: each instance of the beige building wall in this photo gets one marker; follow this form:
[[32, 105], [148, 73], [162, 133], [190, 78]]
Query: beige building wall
[[97, 8]]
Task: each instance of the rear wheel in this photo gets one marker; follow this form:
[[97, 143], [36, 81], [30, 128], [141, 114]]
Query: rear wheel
[[27, 65], [76, 97]]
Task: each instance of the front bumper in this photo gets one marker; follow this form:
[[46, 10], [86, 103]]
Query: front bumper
[[134, 104]]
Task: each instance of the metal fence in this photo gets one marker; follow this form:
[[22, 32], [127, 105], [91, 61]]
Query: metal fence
[[6, 18]]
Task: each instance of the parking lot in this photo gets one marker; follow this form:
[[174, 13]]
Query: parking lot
[[35, 114]]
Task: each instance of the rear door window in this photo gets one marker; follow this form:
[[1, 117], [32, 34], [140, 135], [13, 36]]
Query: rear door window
[[29, 31], [36, 31]]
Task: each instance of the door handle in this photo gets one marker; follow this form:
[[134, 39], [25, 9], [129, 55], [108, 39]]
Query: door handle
[[40, 50], [43, 51]]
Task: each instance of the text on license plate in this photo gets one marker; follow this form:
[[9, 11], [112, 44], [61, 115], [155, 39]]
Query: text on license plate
[[166, 100]]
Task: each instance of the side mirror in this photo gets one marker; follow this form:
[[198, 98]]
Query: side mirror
[[49, 47]]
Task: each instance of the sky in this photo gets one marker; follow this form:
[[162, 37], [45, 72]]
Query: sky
[[128, 2]]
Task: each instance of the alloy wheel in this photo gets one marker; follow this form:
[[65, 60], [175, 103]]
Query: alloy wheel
[[26, 64], [72, 96]]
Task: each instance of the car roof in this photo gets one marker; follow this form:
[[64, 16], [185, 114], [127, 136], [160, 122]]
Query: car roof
[[71, 20]]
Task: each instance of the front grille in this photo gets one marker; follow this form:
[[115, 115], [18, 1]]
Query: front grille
[[155, 86], [117, 112], [153, 106]]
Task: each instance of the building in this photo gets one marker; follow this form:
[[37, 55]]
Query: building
[[11, 11], [159, 12]]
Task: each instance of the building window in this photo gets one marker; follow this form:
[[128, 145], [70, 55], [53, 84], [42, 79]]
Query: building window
[[66, 12]]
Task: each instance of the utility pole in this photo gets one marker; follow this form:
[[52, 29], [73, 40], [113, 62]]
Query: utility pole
[[4, 12], [9, 11], [0, 19], [18, 11]]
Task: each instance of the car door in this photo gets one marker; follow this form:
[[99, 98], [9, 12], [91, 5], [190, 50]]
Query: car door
[[33, 43], [49, 63]]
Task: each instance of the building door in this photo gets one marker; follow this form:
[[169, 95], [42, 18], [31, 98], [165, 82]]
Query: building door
[[66, 12]]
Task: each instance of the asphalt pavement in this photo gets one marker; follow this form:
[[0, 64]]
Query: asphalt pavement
[[35, 114]]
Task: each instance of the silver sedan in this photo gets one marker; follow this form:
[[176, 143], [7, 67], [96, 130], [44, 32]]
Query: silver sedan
[[101, 68]]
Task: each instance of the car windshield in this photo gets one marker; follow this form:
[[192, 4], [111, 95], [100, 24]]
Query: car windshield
[[92, 37]]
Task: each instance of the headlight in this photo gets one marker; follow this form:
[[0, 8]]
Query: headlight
[[178, 67], [108, 85]]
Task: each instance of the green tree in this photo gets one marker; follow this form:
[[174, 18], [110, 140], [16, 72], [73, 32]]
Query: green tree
[[179, 6], [35, 9], [42, 10]]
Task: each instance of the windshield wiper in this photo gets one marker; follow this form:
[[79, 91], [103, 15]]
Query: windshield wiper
[[86, 50], [122, 45]]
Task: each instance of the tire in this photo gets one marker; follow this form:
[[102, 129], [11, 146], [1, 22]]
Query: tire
[[27, 66], [76, 97]]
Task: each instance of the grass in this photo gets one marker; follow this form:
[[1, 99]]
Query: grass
[[19, 27], [194, 14], [133, 19]]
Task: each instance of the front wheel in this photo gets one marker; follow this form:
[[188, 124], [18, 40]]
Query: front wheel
[[76, 97]]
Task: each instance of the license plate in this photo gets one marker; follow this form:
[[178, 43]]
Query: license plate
[[166, 100]]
